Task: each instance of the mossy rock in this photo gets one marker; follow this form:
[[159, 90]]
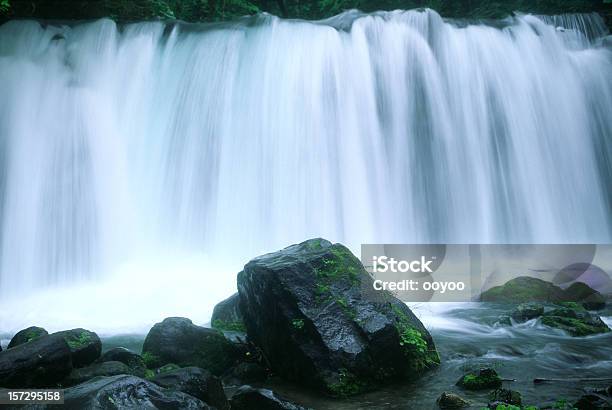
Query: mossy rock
[[582, 293], [26, 335], [132, 360], [576, 323], [449, 401], [524, 289], [504, 396], [177, 340], [312, 311], [484, 379], [226, 315], [527, 311], [84, 345]]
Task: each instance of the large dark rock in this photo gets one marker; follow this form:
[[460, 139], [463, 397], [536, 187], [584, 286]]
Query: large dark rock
[[177, 340], [83, 374], [26, 335], [84, 345], [524, 289], [589, 298], [249, 398], [575, 322], [127, 392], [484, 379], [226, 315], [43, 362], [448, 401], [196, 382], [527, 311], [312, 311], [132, 360]]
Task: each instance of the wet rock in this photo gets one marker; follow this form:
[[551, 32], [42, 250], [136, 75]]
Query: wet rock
[[311, 309], [248, 373], [594, 401], [42, 362], [226, 315], [97, 369], [504, 396], [484, 379], [527, 311], [177, 340], [127, 392], [503, 320], [132, 360], [589, 298], [449, 400], [249, 398], [26, 335], [575, 322], [196, 382], [85, 346], [524, 289]]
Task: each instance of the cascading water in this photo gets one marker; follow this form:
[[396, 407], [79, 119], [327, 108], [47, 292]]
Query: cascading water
[[153, 156]]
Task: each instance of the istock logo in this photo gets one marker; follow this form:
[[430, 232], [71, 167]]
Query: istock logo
[[385, 264]]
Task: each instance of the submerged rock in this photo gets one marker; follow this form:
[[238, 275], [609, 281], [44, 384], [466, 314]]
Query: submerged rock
[[196, 382], [485, 379], [589, 298], [524, 289], [26, 335], [449, 401], [83, 374], [575, 322], [310, 308], [42, 362], [132, 360], [127, 392], [177, 340], [85, 346], [504, 396], [226, 315], [248, 398], [527, 311]]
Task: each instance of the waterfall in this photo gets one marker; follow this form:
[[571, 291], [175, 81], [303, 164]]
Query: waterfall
[[122, 145]]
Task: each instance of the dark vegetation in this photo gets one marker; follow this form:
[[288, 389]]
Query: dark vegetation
[[218, 10]]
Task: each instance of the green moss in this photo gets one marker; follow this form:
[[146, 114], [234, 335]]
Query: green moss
[[150, 360], [576, 323], [77, 341], [572, 305], [413, 344], [167, 368], [149, 374], [485, 379], [215, 353], [347, 384], [235, 326], [297, 324]]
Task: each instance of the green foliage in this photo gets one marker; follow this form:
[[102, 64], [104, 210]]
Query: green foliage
[[413, 344], [298, 324], [347, 384], [76, 341], [236, 326], [5, 6], [150, 360]]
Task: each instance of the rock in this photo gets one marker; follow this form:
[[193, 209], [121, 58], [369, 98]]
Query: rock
[[575, 322], [248, 398], [449, 400], [226, 315], [84, 345], [83, 374], [177, 340], [503, 320], [196, 382], [42, 362], [504, 396], [132, 360], [170, 367], [524, 289], [595, 400], [527, 311], [127, 392], [311, 309], [589, 298], [26, 335], [248, 373], [485, 379]]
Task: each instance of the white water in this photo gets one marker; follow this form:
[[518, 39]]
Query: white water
[[140, 168]]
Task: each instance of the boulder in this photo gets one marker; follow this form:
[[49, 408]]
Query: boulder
[[312, 310], [246, 372], [504, 396], [127, 392], [83, 374], [196, 382], [26, 335], [575, 322], [249, 398], [484, 379], [589, 298], [598, 399], [132, 360], [524, 289], [226, 315], [177, 340], [42, 362], [527, 311], [84, 345], [449, 401]]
